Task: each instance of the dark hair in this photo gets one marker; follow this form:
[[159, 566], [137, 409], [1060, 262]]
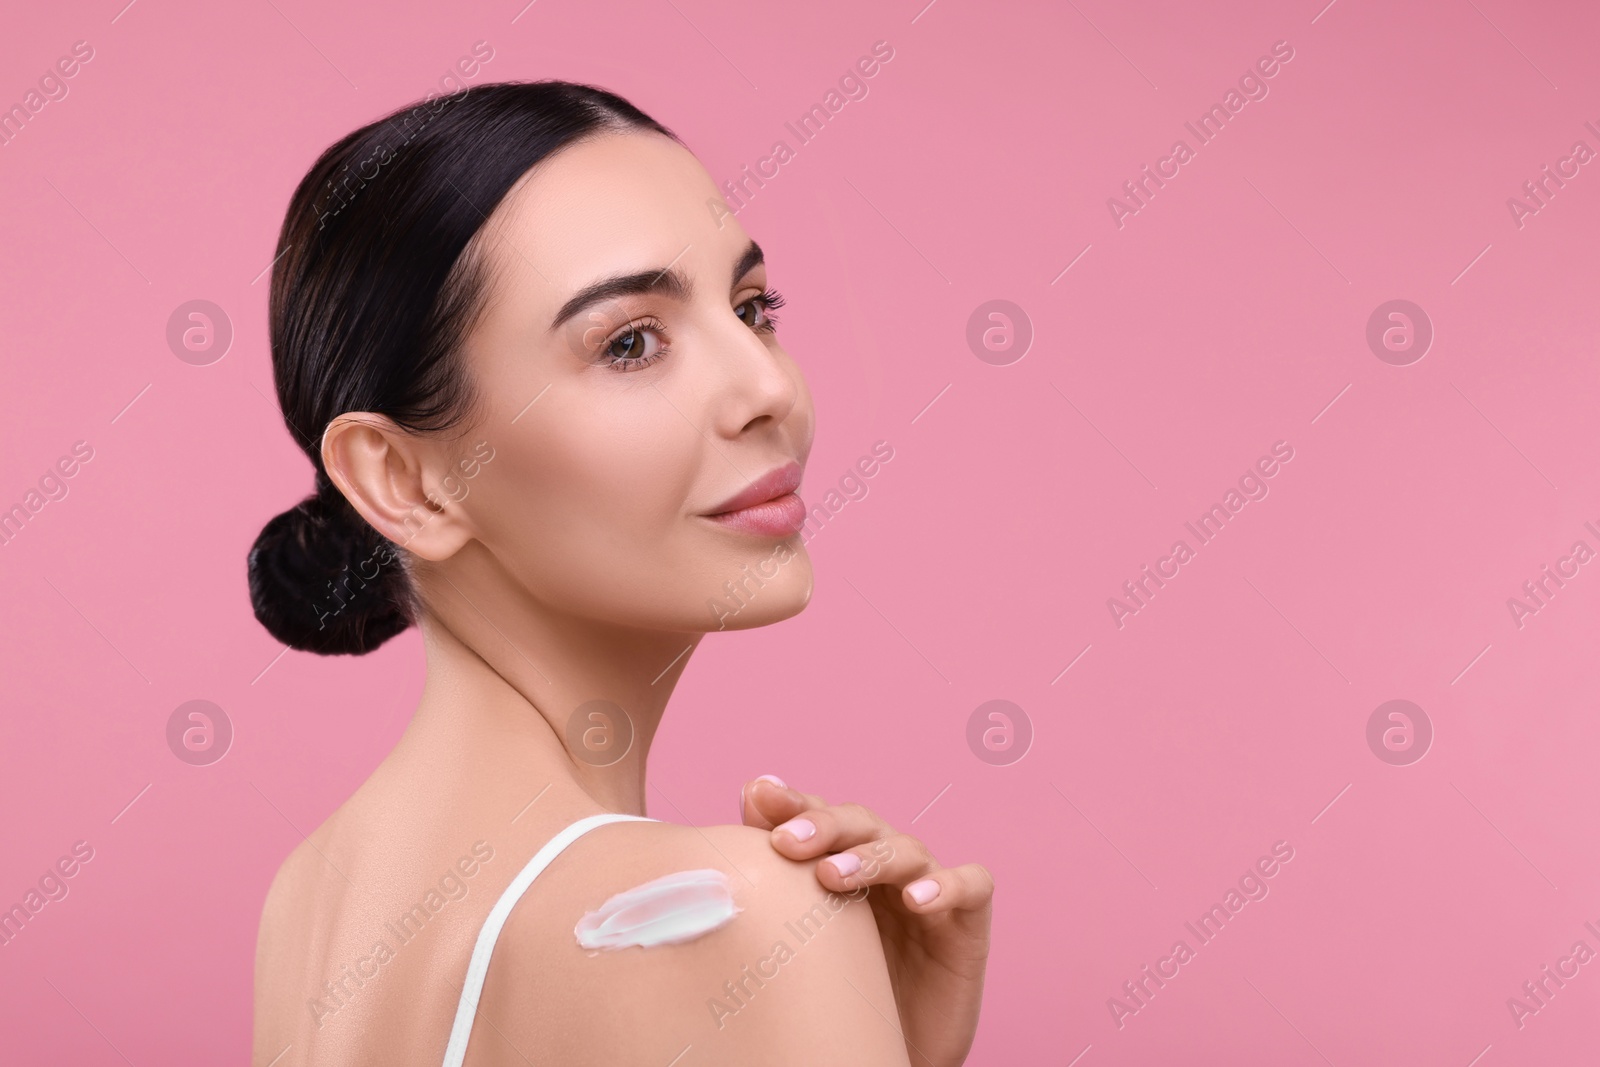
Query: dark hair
[[378, 280]]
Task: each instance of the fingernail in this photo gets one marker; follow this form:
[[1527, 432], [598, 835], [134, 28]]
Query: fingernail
[[846, 863], [799, 829], [741, 803], [779, 782], [923, 891]]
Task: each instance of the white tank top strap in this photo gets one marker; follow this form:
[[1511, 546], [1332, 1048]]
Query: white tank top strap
[[456, 1051]]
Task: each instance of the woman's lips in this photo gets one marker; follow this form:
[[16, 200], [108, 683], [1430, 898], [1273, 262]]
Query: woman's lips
[[767, 507], [781, 516]]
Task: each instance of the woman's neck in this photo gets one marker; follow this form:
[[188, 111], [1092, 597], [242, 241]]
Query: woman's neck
[[536, 701]]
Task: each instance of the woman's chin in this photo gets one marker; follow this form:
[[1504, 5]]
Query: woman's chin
[[746, 606]]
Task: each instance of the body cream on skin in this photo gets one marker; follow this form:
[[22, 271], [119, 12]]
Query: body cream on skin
[[665, 911]]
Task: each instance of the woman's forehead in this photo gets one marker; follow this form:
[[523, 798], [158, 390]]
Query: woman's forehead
[[612, 204]]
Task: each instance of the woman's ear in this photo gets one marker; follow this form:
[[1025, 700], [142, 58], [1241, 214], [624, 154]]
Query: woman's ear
[[382, 470]]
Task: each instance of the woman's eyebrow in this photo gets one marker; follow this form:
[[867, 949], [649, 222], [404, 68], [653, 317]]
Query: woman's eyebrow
[[747, 262], [668, 281]]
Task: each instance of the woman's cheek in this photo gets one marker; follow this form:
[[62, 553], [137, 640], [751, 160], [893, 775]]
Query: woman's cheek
[[653, 464]]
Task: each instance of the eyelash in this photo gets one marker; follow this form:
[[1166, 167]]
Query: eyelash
[[769, 300]]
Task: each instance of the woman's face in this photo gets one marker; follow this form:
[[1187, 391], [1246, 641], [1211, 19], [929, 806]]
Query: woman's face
[[620, 424]]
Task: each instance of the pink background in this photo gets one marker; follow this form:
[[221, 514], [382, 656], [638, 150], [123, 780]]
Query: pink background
[[1228, 314]]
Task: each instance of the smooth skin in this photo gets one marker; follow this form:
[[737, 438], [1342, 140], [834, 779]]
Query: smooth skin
[[576, 563]]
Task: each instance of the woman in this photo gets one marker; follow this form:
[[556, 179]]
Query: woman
[[533, 361]]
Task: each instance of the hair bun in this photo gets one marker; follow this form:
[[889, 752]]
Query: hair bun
[[323, 580]]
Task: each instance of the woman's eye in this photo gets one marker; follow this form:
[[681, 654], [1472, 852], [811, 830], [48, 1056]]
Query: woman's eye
[[756, 312], [638, 345]]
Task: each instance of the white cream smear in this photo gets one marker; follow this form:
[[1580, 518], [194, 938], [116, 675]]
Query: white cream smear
[[666, 911]]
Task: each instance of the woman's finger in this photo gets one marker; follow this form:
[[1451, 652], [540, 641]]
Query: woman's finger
[[892, 860], [969, 887], [766, 801], [815, 831]]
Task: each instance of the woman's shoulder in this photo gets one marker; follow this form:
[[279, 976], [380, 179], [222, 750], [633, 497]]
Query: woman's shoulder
[[310, 883], [301, 877], [345, 887], [795, 976]]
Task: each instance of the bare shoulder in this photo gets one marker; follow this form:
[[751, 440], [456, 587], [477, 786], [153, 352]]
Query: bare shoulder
[[796, 976], [301, 872], [277, 952], [298, 900]]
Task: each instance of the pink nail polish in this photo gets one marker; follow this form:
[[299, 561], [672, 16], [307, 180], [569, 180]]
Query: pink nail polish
[[923, 891], [779, 782], [846, 863], [800, 829]]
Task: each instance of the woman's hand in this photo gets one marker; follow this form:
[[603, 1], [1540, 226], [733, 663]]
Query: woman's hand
[[934, 921]]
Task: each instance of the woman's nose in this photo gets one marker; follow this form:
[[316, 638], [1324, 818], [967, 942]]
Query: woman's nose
[[755, 382]]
